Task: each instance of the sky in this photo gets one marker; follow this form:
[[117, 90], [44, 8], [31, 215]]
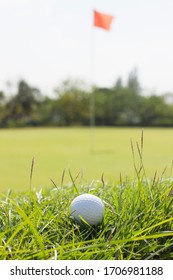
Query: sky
[[46, 42]]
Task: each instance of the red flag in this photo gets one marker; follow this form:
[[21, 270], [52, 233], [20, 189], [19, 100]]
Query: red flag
[[102, 20]]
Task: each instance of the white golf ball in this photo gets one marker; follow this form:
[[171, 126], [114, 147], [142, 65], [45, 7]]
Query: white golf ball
[[88, 207]]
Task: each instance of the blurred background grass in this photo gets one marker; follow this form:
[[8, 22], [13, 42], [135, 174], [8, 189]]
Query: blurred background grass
[[56, 149]]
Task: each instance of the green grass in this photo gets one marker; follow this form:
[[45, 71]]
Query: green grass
[[56, 149], [138, 223], [36, 223]]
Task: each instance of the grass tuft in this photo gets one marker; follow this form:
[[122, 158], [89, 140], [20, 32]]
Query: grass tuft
[[138, 223]]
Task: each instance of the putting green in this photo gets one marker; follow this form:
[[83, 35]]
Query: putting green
[[56, 149]]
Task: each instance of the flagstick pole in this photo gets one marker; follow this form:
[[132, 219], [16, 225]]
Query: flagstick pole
[[103, 21], [92, 95], [92, 122]]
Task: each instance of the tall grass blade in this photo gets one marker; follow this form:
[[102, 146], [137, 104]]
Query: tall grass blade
[[102, 180], [73, 181], [31, 172], [62, 178], [134, 160], [55, 185], [142, 142]]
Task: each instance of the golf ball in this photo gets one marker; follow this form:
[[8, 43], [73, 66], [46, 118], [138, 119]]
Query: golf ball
[[88, 207]]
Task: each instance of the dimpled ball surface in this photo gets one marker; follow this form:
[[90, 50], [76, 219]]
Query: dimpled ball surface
[[89, 207]]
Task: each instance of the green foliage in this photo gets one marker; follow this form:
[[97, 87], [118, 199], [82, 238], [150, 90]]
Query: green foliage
[[120, 105]]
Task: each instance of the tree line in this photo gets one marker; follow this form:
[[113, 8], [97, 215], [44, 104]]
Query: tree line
[[119, 105]]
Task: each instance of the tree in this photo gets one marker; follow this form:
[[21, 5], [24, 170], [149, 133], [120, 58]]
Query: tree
[[155, 112], [72, 105], [133, 82], [21, 106], [2, 108], [118, 83], [2, 98]]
